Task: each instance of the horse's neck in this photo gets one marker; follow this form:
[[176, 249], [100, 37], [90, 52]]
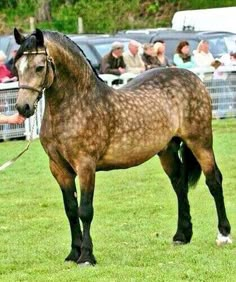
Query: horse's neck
[[72, 70]]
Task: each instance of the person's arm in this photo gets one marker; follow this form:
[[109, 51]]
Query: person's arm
[[13, 119]]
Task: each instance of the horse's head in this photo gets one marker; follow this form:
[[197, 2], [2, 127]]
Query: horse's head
[[35, 70]]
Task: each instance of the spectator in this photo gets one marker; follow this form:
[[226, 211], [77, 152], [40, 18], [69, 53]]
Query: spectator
[[133, 59], [161, 59], [229, 59], [182, 57], [113, 62], [202, 55], [148, 56], [5, 74], [222, 82]]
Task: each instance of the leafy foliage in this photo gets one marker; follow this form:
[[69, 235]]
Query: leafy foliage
[[98, 16]]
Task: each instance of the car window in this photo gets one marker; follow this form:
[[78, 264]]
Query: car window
[[217, 46], [89, 54], [4, 42], [230, 42]]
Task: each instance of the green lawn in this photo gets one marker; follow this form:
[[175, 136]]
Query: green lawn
[[135, 219]]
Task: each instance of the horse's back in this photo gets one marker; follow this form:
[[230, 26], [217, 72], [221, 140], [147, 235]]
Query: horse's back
[[181, 92]]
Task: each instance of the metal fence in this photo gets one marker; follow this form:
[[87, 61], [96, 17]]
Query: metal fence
[[8, 93], [222, 89]]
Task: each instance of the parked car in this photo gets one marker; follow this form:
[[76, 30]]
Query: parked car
[[142, 35], [219, 42], [95, 47]]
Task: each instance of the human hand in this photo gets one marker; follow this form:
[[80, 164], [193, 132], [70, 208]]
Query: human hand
[[121, 70], [15, 119]]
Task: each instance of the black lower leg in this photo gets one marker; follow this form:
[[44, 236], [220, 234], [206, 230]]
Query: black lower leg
[[86, 216], [184, 229], [71, 208], [214, 182], [177, 173]]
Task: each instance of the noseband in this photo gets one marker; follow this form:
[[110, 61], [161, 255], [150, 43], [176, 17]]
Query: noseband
[[48, 60]]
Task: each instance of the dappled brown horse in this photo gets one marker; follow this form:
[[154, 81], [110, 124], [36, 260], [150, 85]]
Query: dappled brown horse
[[88, 126]]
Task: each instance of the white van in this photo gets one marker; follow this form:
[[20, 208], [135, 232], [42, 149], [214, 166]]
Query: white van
[[216, 19]]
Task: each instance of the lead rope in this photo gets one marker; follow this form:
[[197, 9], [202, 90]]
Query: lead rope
[[10, 162]]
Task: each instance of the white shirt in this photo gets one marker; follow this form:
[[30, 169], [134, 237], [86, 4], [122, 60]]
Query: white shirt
[[203, 59], [133, 63]]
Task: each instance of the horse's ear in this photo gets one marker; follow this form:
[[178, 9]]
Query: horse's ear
[[18, 36], [39, 37]]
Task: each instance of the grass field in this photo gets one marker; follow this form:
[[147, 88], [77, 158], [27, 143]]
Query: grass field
[[135, 219]]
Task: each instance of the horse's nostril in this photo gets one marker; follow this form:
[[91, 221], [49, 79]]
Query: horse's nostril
[[24, 110]]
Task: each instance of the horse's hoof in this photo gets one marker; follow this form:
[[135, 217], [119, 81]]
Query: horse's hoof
[[85, 264], [223, 240], [73, 255], [178, 243], [180, 239]]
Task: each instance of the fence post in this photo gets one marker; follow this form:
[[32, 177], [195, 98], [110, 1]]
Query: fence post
[[32, 23], [80, 25]]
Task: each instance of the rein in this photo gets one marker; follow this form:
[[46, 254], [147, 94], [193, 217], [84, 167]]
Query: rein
[[10, 162]]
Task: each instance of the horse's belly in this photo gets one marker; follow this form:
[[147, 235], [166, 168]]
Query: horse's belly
[[128, 155]]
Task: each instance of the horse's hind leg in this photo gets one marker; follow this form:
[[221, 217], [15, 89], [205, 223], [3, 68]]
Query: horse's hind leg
[[177, 173], [66, 181], [206, 159]]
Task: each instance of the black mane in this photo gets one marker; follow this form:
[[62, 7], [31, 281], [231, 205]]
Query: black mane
[[31, 44]]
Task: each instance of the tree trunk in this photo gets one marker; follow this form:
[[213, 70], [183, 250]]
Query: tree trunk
[[43, 13]]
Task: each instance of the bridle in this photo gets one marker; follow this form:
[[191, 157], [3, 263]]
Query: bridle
[[47, 62]]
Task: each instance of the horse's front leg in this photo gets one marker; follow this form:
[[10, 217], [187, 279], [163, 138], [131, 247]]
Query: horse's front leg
[[66, 181], [86, 173]]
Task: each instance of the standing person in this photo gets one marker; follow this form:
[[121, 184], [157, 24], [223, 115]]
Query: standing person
[[133, 59], [159, 53], [13, 119], [113, 62], [182, 57], [202, 55], [148, 56]]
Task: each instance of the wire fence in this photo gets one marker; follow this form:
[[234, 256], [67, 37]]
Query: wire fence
[[221, 89]]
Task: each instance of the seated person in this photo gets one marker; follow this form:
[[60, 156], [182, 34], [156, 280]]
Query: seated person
[[133, 59], [161, 59], [182, 57], [148, 56], [202, 55], [113, 62], [229, 59]]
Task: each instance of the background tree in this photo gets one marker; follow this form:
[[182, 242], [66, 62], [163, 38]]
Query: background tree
[[43, 13]]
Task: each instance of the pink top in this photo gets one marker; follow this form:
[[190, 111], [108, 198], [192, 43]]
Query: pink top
[[4, 72]]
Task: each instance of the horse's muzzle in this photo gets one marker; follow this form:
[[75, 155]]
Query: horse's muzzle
[[25, 110]]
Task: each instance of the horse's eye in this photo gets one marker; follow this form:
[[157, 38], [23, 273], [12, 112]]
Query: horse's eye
[[39, 68]]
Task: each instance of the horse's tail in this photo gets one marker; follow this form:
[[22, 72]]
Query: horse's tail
[[192, 167]]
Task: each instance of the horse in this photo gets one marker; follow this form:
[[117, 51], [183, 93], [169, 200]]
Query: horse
[[88, 126]]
